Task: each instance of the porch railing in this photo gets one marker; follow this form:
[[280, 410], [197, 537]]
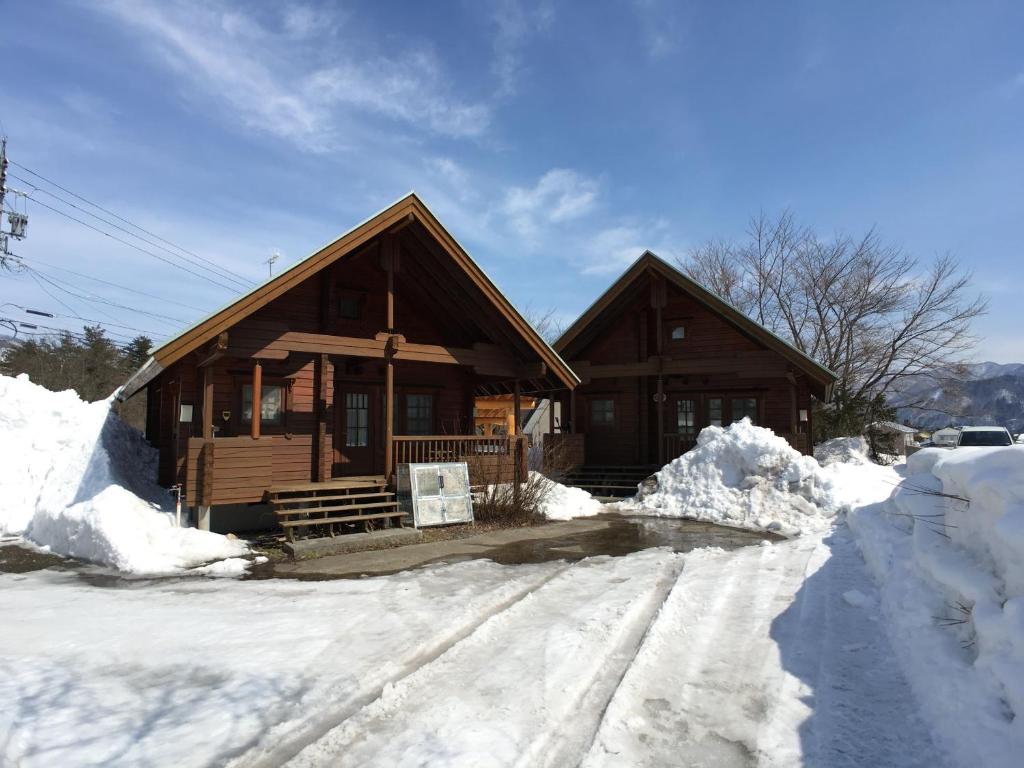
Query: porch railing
[[493, 459], [676, 444]]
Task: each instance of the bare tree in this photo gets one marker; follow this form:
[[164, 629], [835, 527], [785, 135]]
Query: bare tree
[[869, 311], [545, 322]]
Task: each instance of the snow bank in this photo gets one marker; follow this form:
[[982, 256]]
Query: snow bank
[[952, 577], [842, 450], [77, 480], [560, 502], [747, 476]]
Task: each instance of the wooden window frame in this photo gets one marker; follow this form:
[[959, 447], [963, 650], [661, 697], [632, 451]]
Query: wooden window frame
[[239, 420], [404, 399], [346, 294], [602, 426]]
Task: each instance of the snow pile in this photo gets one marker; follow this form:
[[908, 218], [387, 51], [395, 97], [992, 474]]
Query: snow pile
[[75, 479], [842, 450], [746, 476], [560, 502], [951, 570]]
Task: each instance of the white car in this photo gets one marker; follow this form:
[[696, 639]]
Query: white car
[[988, 437]]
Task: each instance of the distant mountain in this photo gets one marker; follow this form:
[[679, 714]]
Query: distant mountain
[[979, 394]]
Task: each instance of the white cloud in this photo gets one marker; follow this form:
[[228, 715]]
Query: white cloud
[[613, 249], [261, 76], [559, 196], [660, 26], [515, 23]]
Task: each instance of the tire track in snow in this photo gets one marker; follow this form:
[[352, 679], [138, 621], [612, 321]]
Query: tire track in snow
[[282, 747], [503, 694], [702, 681]]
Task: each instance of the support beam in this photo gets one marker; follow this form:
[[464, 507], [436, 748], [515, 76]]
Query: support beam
[[207, 403], [551, 413], [203, 517], [389, 257], [517, 409], [573, 418], [661, 420], [257, 394], [321, 384]]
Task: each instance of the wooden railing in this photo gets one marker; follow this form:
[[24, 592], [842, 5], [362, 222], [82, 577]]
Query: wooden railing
[[564, 451], [677, 444], [494, 459]]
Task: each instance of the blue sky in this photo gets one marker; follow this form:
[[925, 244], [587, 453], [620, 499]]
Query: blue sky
[[555, 140]]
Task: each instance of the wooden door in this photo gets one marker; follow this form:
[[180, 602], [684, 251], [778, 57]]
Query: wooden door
[[358, 434]]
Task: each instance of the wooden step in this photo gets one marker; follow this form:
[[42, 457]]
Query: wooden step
[[606, 487], [366, 481], [331, 497], [339, 508], [345, 519]]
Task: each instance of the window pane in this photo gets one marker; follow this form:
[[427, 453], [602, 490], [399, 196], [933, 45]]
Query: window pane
[[357, 419], [602, 413], [678, 333], [715, 411], [419, 414], [686, 417], [271, 403], [744, 406]]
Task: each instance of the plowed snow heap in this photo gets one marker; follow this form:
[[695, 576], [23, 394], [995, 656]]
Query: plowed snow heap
[[745, 476], [77, 480]]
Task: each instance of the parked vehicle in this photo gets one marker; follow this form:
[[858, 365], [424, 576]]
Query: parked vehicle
[[983, 437]]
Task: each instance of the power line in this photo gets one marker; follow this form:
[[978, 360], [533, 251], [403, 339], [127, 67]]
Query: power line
[[113, 285], [244, 280], [132, 245], [122, 229], [99, 299], [97, 322]]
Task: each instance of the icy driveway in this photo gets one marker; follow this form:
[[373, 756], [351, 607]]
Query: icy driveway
[[656, 658]]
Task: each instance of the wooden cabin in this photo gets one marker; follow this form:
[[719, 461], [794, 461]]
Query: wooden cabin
[[660, 357], [368, 354], [497, 414]]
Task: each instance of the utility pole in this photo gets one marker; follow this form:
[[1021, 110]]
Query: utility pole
[[17, 221]]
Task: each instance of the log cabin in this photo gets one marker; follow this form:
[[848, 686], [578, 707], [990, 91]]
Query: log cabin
[[317, 384], [660, 357]]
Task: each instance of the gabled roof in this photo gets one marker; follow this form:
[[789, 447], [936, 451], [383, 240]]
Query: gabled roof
[[407, 207], [650, 262]]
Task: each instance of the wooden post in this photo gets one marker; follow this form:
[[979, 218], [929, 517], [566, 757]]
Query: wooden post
[[516, 409], [571, 422], [208, 402], [321, 383], [551, 413], [257, 395], [389, 248], [661, 420]]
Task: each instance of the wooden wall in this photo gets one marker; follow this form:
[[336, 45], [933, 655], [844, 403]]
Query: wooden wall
[[731, 364]]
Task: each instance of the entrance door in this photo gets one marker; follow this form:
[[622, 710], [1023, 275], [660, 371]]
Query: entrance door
[[357, 435]]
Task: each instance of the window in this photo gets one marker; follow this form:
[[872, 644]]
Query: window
[[602, 413], [744, 406], [357, 419], [419, 414], [678, 333], [271, 403], [686, 418], [715, 411], [350, 305]]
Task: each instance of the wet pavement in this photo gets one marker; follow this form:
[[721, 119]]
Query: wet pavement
[[16, 557], [609, 534]]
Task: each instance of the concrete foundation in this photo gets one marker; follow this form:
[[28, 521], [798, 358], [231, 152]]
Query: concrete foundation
[[352, 542]]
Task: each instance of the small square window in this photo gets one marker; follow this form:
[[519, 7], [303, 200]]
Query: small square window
[[602, 413], [271, 403], [419, 414], [744, 406], [350, 305], [715, 411], [678, 333]]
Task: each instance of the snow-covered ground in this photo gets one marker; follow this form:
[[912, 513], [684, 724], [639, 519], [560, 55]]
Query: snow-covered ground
[[836, 647], [655, 658], [78, 481]]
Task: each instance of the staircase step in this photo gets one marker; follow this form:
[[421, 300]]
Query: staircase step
[[339, 508], [332, 497], [343, 519]]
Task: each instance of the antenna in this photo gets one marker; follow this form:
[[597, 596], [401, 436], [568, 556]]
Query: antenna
[[270, 262]]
